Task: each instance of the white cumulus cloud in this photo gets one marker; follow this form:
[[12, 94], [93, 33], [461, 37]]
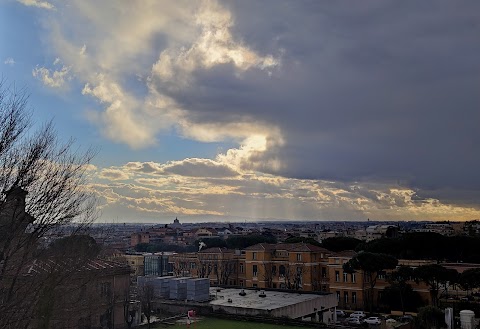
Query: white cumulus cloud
[[51, 77], [9, 61], [38, 4]]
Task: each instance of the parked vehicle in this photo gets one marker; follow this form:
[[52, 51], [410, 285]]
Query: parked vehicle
[[391, 321], [406, 318], [373, 320], [340, 313], [358, 314], [353, 320]]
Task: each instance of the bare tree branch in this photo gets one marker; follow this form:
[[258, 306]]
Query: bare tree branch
[[42, 188]]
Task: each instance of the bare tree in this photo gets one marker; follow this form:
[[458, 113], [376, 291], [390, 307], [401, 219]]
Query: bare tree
[[146, 296], [294, 275], [204, 267], [42, 189], [178, 266], [182, 264], [129, 310], [225, 269], [268, 273]]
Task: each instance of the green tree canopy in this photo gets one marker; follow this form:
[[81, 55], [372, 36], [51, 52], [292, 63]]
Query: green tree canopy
[[74, 246], [370, 264], [296, 239], [427, 245], [212, 243], [398, 279], [435, 276], [244, 241], [404, 298], [470, 279], [430, 317], [341, 243]]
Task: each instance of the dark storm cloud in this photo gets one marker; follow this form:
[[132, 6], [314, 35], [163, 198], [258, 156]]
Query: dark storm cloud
[[366, 90]]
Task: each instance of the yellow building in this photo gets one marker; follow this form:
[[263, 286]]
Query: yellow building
[[136, 263], [350, 288], [347, 287], [298, 266], [220, 265]]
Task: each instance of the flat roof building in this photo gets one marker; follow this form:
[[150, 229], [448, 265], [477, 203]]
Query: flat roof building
[[320, 307]]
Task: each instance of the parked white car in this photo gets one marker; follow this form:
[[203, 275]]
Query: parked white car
[[391, 321], [358, 314], [373, 320], [353, 320]]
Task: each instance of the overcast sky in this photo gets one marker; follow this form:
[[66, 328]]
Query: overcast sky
[[228, 110]]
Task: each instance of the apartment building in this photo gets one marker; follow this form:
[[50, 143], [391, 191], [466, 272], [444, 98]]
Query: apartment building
[[220, 265], [350, 289], [347, 287], [298, 266], [92, 297], [140, 237], [136, 263], [158, 264]]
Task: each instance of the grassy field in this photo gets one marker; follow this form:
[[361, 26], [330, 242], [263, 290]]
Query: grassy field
[[213, 323]]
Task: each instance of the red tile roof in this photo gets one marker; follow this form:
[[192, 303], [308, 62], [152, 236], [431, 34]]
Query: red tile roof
[[51, 265]]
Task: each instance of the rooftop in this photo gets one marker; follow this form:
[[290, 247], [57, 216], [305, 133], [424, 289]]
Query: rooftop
[[273, 299]]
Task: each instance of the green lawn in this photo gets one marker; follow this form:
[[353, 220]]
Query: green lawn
[[213, 323]]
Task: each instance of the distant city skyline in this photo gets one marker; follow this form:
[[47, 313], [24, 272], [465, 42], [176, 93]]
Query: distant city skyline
[[247, 110]]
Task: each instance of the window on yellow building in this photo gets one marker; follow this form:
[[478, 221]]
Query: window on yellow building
[[254, 255], [345, 277], [338, 296], [366, 277], [354, 297], [337, 276], [345, 297], [354, 279], [281, 271], [255, 270], [241, 268], [299, 257]]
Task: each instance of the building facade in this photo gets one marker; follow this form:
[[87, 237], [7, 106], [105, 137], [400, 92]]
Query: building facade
[[158, 264]]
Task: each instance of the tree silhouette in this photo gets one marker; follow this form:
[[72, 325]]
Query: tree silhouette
[[470, 279], [146, 295], [434, 276], [399, 278], [370, 264], [42, 189]]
